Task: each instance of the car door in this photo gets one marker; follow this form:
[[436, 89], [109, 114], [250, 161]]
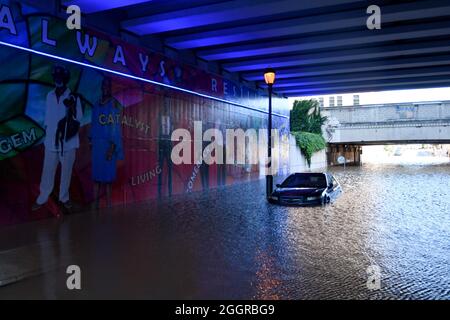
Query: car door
[[335, 190]]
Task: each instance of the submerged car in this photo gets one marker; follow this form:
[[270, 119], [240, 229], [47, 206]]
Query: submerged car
[[307, 189]]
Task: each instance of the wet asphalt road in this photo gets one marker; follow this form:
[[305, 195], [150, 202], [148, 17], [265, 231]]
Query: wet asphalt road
[[230, 244]]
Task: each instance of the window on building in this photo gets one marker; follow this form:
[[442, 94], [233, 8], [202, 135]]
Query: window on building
[[331, 101]]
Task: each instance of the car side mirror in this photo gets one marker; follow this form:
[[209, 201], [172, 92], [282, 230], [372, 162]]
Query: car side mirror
[[330, 186], [278, 185]]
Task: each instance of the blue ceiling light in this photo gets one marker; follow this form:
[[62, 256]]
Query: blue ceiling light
[[91, 6], [194, 17], [212, 40], [122, 74]]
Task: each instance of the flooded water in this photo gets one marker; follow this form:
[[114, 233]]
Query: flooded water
[[229, 243]]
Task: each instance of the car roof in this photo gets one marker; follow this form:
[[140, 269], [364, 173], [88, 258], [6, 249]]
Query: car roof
[[327, 175]]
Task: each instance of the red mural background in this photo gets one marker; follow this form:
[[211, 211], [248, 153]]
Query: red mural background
[[146, 171]]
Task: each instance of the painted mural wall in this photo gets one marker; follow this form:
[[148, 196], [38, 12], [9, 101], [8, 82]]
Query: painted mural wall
[[123, 139]]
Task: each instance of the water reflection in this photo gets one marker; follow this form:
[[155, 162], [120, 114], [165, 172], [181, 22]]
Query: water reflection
[[230, 243]]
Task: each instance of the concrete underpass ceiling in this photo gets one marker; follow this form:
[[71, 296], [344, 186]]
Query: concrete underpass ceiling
[[317, 47]]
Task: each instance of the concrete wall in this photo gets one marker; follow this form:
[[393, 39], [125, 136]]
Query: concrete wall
[[382, 134], [393, 123], [297, 161]]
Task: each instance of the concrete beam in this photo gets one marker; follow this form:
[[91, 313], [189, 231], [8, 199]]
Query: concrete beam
[[348, 68], [338, 56], [330, 42], [49, 6], [357, 86], [230, 11], [307, 25], [361, 76]]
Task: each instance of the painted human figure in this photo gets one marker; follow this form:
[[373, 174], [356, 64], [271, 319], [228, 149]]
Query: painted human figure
[[165, 145], [106, 142], [58, 103], [222, 168]]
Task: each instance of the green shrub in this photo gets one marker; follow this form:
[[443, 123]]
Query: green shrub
[[306, 117], [306, 126], [309, 143]]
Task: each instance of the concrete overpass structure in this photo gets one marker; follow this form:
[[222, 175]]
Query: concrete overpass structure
[[348, 128], [317, 47]]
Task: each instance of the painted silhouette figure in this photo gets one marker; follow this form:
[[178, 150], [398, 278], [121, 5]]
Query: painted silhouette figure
[[106, 142], [204, 167], [165, 146], [222, 168]]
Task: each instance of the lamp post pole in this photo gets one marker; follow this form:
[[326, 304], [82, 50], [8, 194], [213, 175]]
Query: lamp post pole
[[269, 177], [269, 78]]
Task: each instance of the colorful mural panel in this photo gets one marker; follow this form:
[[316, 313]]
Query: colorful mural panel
[[73, 138]]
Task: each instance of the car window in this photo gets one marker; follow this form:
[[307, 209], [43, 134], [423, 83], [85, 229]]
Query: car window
[[335, 183], [305, 181]]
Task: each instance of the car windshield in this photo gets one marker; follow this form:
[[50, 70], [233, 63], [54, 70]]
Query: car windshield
[[305, 181]]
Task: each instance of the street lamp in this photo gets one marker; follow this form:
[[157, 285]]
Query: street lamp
[[269, 77]]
